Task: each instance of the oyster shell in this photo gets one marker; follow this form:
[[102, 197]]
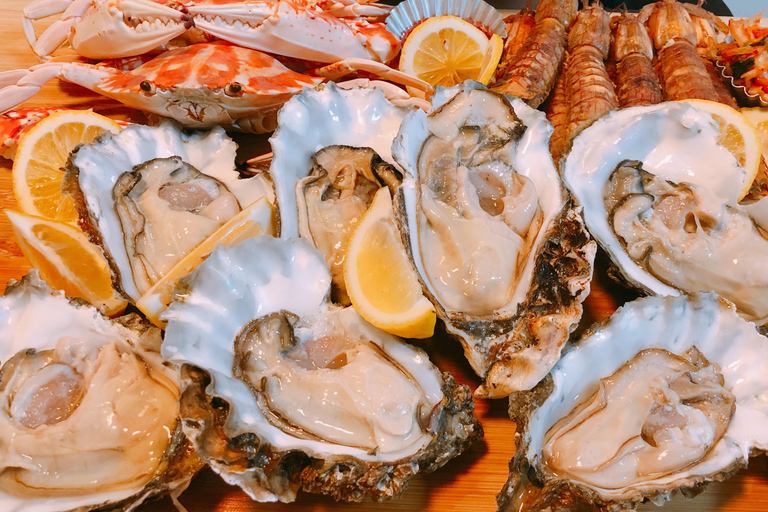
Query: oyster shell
[[317, 118], [282, 390], [499, 246], [148, 196], [669, 216], [89, 415], [666, 395]]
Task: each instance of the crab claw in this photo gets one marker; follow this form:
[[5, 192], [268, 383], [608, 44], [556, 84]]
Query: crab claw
[[139, 26]]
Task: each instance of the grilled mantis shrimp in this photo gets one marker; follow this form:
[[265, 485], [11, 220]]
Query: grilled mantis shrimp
[[636, 81], [683, 72], [533, 75]]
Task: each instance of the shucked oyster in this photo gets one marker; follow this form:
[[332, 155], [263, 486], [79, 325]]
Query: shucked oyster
[[669, 394], [670, 217], [333, 199], [89, 411], [283, 391], [322, 117], [148, 196], [499, 247]]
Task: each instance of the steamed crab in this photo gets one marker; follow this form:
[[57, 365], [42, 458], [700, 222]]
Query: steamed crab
[[306, 29], [200, 85]]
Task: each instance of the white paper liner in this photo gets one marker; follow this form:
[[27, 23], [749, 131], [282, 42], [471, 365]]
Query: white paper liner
[[410, 12]]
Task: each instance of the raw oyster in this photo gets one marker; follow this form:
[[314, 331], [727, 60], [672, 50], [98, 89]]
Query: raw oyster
[[90, 412], [668, 394], [283, 391], [148, 196], [661, 196], [333, 199], [317, 118], [499, 246]]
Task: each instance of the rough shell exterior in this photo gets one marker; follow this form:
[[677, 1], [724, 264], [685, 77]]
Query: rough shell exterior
[[653, 322], [343, 478]]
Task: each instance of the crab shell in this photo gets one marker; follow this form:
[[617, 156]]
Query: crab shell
[[207, 84], [673, 324]]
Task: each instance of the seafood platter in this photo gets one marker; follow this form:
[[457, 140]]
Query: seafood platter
[[338, 255]]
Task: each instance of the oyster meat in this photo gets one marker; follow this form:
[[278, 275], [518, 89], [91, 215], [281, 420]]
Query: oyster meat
[[499, 246], [89, 415], [661, 196], [283, 391], [148, 196], [333, 199], [666, 395]]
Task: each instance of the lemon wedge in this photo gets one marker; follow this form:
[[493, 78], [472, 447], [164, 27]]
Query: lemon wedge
[[446, 50], [66, 260], [759, 118], [43, 152], [256, 219], [381, 283], [738, 135], [491, 59]]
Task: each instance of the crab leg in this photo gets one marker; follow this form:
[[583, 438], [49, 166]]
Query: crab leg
[[348, 66], [32, 80]]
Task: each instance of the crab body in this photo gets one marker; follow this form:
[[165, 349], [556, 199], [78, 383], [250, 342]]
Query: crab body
[[200, 85]]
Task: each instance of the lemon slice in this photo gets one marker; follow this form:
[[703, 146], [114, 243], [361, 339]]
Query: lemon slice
[[491, 59], [66, 260], [43, 152], [759, 118], [446, 50], [257, 219], [380, 280], [738, 135]]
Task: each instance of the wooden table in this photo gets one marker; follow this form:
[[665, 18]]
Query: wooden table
[[468, 483]]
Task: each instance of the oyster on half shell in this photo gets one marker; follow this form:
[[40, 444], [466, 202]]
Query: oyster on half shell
[[667, 395], [498, 244], [150, 195], [89, 414], [283, 391], [661, 196], [361, 117]]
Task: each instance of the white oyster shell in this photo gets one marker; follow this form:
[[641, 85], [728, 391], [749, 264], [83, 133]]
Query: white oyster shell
[[676, 142], [74, 385], [673, 324], [515, 344], [99, 165], [317, 118], [294, 415]]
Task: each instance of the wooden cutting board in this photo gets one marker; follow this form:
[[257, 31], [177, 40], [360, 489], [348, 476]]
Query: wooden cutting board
[[469, 482]]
